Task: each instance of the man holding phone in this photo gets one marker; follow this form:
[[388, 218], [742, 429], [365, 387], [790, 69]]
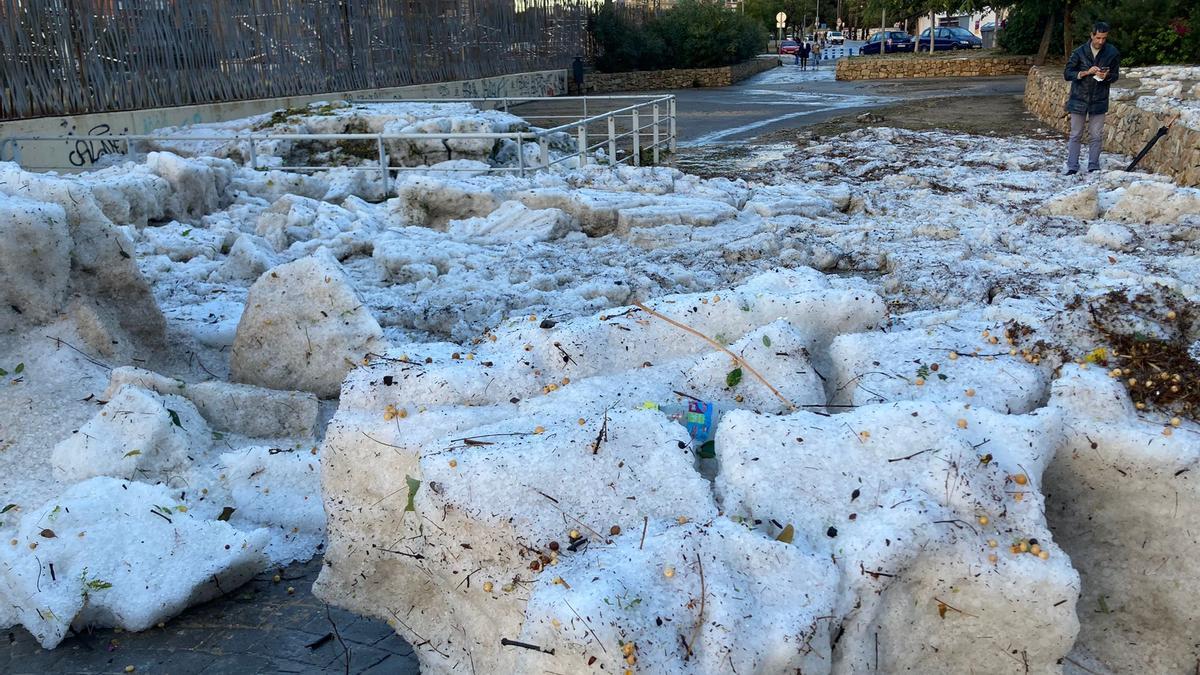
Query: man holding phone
[[1091, 69]]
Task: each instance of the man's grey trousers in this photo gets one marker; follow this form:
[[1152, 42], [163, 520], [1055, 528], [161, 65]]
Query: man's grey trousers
[[1095, 124]]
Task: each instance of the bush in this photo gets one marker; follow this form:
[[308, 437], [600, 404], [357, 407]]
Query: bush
[[1147, 32], [692, 34], [1023, 33]]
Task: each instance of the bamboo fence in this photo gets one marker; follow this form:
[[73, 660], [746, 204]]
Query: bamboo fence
[[62, 57]]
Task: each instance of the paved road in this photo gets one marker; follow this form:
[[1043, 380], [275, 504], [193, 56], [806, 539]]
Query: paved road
[[259, 628], [788, 97]]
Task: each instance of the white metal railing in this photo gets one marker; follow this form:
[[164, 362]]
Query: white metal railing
[[642, 119]]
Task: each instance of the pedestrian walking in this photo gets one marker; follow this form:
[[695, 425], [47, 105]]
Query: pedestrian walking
[[804, 52], [816, 54], [1092, 68]]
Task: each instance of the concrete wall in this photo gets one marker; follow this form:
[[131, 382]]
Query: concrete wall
[[43, 154], [1127, 128], [873, 67], [683, 78]]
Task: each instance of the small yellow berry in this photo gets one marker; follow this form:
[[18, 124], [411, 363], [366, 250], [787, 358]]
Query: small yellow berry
[[453, 463], [1175, 421], [1024, 546], [668, 571], [1020, 479], [983, 520], [631, 659], [573, 534], [291, 590], [277, 578], [1166, 431], [953, 356], [993, 558], [627, 648], [962, 423], [683, 520], [1171, 315], [1018, 496], [1035, 549], [1044, 555], [130, 669], [920, 381], [1133, 381], [992, 543], [1140, 405], [970, 392], [582, 421], [487, 587], [539, 430]]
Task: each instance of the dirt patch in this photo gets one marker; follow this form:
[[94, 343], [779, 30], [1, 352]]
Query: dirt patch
[[1000, 115]]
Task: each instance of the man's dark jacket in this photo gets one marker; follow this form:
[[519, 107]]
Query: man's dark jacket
[[1088, 95]]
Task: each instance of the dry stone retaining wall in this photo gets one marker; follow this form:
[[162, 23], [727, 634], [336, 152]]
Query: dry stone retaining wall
[[650, 80], [1126, 129], [917, 66]]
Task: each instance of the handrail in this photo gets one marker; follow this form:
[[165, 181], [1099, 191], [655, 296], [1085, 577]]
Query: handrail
[[633, 129]]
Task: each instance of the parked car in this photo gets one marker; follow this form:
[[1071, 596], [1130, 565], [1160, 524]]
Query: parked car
[[836, 38], [949, 37], [889, 41], [789, 47]]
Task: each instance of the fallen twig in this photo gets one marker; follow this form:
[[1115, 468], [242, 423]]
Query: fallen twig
[[700, 616], [742, 362], [60, 342], [505, 642]]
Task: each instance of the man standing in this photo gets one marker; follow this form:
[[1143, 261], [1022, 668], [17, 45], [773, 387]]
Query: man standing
[[804, 51], [1091, 69]]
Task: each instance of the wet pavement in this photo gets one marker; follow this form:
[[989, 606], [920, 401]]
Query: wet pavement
[[259, 628]]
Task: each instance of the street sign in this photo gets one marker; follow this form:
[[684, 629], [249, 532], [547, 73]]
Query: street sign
[[781, 17]]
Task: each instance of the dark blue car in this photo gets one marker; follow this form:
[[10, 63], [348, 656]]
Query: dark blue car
[[889, 41], [949, 37]]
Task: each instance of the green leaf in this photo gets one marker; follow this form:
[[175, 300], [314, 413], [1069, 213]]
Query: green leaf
[[226, 513], [708, 450], [733, 378], [942, 377], [3, 372], [766, 341], [187, 232], [788, 533], [132, 453], [413, 484], [174, 418], [19, 369], [98, 585], [923, 371], [8, 508]]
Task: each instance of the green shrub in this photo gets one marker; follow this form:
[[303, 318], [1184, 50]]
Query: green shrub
[[1147, 32], [692, 34]]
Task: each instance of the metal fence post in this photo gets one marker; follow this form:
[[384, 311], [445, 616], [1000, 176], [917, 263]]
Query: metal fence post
[[637, 138], [521, 154], [543, 152], [654, 135], [583, 158], [383, 161], [672, 114], [253, 155], [612, 140]]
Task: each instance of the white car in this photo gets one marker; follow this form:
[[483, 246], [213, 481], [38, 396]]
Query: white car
[[836, 37]]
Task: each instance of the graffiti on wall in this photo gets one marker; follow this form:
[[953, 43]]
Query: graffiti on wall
[[86, 152]]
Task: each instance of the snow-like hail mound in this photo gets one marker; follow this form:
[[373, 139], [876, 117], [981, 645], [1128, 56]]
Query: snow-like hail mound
[[496, 485]]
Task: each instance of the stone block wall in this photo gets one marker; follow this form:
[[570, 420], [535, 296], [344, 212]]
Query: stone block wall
[[683, 78], [1127, 128], [899, 66]]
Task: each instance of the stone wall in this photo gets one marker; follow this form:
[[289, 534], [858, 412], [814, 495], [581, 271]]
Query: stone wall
[[1126, 129], [684, 78], [946, 64]]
